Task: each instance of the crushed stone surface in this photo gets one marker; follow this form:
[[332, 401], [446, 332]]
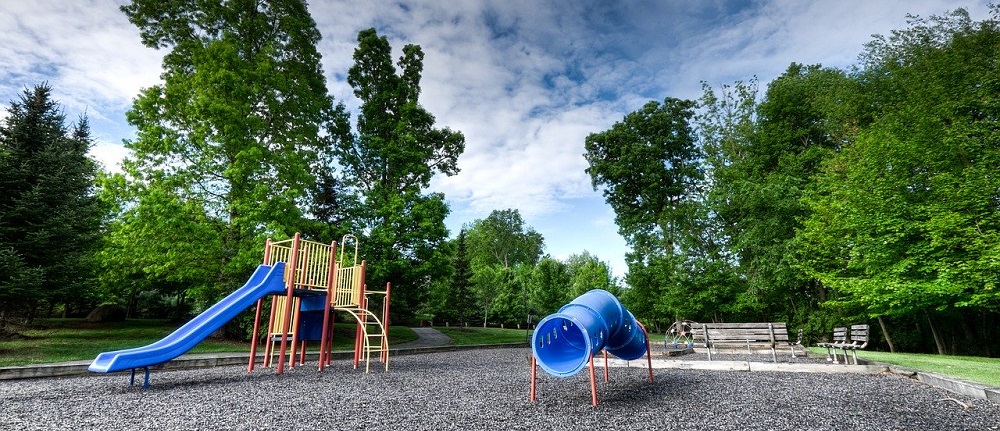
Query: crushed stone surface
[[485, 389]]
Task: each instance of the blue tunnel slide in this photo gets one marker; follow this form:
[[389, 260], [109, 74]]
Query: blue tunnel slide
[[564, 342], [266, 280]]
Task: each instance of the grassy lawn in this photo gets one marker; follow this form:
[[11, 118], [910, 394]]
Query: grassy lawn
[[473, 335], [60, 340], [970, 368]]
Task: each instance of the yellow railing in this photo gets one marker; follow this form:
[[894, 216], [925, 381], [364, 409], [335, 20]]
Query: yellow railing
[[313, 266], [348, 293]]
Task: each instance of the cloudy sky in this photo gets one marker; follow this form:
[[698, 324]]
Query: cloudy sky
[[525, 81]]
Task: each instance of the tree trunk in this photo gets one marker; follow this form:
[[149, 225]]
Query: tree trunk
[[938, 341], [885, 333]]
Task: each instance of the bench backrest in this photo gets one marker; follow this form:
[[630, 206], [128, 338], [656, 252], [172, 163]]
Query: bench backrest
[[840, 335], [859, 335], [755, 333]]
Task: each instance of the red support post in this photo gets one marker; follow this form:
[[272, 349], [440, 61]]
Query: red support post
[[533, 368], [326, 347], [253, 336], [593, 383], [294, 258], [256, 320], [649, 358]]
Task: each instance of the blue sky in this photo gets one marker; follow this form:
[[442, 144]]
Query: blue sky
[[525, 81]]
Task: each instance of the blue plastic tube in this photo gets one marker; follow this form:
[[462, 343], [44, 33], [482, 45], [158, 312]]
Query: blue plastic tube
[[563, 342]]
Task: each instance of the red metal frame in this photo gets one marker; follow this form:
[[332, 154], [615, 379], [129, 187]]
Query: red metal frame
[[256, 320], [325, 347]]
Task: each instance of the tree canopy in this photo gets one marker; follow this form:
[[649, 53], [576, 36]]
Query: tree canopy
[[226, 146]]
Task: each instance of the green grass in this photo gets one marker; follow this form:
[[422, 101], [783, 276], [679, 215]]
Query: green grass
[[970, 368], [61, 340], [473, 335]]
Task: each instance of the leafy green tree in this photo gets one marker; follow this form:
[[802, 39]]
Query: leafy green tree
[[587, 272], [226, 146], [499, 246], [761, 162], [905, 222], [502, 239], [50, 220], [649, 167], [549, 287], [389, 164]]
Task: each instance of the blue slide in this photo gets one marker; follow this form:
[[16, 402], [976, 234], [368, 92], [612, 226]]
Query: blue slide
[[266, 280]]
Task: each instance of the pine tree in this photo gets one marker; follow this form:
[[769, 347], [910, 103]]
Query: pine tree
[[49, 217]]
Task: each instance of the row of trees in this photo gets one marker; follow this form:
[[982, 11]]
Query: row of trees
[[500, 275], [241, 142], [836, 196]]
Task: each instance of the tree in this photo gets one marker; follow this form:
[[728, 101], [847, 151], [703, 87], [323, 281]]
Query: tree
[[227, 144], [549, 287], [502, 239], [762, 161], [649, 167], [500, 248], [453, 300], [906, 222], [50, 220], [389, 164], [587, 272]]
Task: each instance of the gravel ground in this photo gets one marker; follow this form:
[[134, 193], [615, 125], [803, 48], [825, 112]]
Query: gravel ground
[[486, 390]]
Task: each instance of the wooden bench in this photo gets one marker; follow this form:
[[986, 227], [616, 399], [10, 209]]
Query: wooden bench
[[854, 338], [768, 335], [839, 337]]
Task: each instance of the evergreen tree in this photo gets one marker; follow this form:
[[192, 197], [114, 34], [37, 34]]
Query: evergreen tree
[[461, 299], [49, 218]]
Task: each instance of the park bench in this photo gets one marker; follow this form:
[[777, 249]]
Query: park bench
[[767, 335], [854, 338]]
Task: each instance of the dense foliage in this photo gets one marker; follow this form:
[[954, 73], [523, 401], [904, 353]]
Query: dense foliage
[[833, 198]]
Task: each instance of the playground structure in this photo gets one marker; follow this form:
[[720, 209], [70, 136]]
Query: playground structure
[[307, 283], [322, 285], [566, 341]]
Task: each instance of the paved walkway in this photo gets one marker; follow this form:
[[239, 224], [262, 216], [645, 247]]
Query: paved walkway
[[426, 337]]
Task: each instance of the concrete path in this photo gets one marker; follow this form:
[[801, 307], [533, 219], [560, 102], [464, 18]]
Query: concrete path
[[427, 337]]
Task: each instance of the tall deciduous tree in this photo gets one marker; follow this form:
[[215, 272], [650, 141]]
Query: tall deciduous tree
[[587, 272], [227, 144], [649, 167], [49, 217], [390, 163], [549, 286], [761, 164], [502, 249], [907, 220]]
